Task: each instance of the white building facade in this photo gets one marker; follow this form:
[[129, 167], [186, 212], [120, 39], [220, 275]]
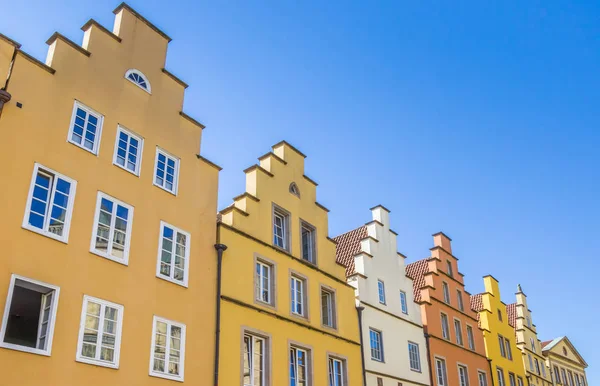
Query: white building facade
[[394, 345]]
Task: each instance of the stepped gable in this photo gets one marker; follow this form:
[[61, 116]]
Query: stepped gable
[[348, 246], [416, 271]]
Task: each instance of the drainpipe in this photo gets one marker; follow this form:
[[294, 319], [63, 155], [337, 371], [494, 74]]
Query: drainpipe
[[429, 358], [220, 249], [360, 309], [491, 371], [4, 98]]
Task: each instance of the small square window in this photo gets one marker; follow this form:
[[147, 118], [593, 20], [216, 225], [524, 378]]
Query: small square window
[[86, 128], [168, 349], [328, 313], [173, 254], [281, 220], [29, 316], [166, 171], [308, 242], [376, 345], [100, 332], [50, 203], [298, 296], [128, 151], [112, 229], [264, 280], [403, 303], [381, 291]]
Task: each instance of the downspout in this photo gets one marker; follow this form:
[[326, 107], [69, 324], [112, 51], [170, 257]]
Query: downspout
[[359, 310], [220, 249], [429, 358], [491, 371]]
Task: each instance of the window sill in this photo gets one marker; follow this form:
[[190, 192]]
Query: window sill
[[416, 371], [265, 304], [109, 257], [62, 239], [97, 363], [332, 328], [85, 148], [136, 173], [173, 192], [166, 376], [377, 360], [285, 250], [179, 283], [299, 316], [29, 350]]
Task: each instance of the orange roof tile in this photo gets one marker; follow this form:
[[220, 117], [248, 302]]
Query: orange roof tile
[[416, 271], [348, 246], [511, 311]]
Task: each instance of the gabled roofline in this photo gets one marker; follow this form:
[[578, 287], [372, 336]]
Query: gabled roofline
[[556, 341], [142, 19], [10, 41]]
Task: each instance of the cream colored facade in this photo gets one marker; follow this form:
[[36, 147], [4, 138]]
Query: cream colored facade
[[390, 317], [102, 253], [565, 362]]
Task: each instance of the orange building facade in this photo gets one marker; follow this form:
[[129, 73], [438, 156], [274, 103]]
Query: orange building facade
[[455, 344]]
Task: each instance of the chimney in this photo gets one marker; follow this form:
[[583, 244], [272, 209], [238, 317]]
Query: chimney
[[442, 240]]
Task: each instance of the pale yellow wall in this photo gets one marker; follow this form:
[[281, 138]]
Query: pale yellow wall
[[37, 132], [569, 362]]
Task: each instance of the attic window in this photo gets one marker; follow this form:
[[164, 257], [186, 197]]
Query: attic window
[[565, 351], [294, 189], [139, 79]]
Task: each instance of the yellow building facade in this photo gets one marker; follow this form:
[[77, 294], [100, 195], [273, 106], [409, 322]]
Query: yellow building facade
[[521, 318], [108, 275], [501, 349], [288, 317], [565, 363]]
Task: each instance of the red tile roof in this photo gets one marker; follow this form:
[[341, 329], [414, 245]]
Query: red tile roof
[[511, 311], [477, 303], [348, 246], [546, 343], [416, 271]]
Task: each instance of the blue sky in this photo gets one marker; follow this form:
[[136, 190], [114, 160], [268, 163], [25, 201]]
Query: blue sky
[[480, 120]]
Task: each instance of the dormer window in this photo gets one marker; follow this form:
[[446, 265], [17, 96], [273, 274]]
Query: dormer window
[[294, 189], [136, 77]]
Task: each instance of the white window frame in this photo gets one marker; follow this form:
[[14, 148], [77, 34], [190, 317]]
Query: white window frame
[[520, 381], [166, 375], [285, 220], [414, 356], [446, 292], [98, 136], [253, 339], [331, 307], [331, 361], [51, 193], [512, 379], [465, 376], [186, 271], [482, 378], [296, 280], [446, 330], [259, 288], [502, 347], [403, 303], [381, 291], [458, 332], [119, 328], [312, 251], [470, 337], [294, 365], [51, 319], [508, 349], [500, 375], [168, 156], [107, 255], [130, 134], [141, 75], [443, 376], [532, 342], [378, 341]]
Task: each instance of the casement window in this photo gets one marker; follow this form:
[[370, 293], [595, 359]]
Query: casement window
[[50, 203], [459, 300], [112, 229], [500, 374], [403, 303], [376, 345], [173, 254], [445, 327], [298, 296], [166, 171], [336, 371], [450, 271], [499, 315], [446, 291], [328, 314], [414, 356], [381, 291], [577, 381], [379, 381], [556, 371], [308, 242], [531, 364], [254, 361], [528, 319], [508, 349], [29, 316], [470, 338], [532, 343], [281, 221], [481, 376], [571, 382], [264, 282], [543, 369], [458, 332], [86, 128], [537, 366], [564, 376], [502, 347], [128, 151], [440, 372], [520, 381], [100, 332], [299, 362], [139, 79], [512, 380], [168, 349], [463, 376]]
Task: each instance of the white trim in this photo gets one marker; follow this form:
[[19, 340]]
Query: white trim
[[117, 348], [296, 280], [51, 319], [186, 271], [170, 323], [107, 255], [141, 75], [71, 201], [259, 277], [419, 369], [131, 134], [175, 176], [98, 136], [464, 366], [458, 333], [379, 281], [403, 305]]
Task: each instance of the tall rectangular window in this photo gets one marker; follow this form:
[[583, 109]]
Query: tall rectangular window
[[128, 151], [537, 367], [173, 254], [440, 372], [166, 171], [336, 371], [577, 381], [500, 374], [298, 297], [86, 128], [463, 375], [168, 349], [532, 343], [531, 364], [328, 315], [299, 363], [376, 345], [458, 332], [403, 303], [264, 282], [470, 338], [508, 349], [29, 315], [50, 203], [445, 327], [512, 379], [100, 332], [308, 242], [414, 356], [556, 371], [254, 361], [502, 348], [564, 376], [570, 378], [481, 376], [543, 369], [459, 300], [446, 291], [280, 228], [499, 315], [381, 291], [450, 270], [520, 381], [112, 229]]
